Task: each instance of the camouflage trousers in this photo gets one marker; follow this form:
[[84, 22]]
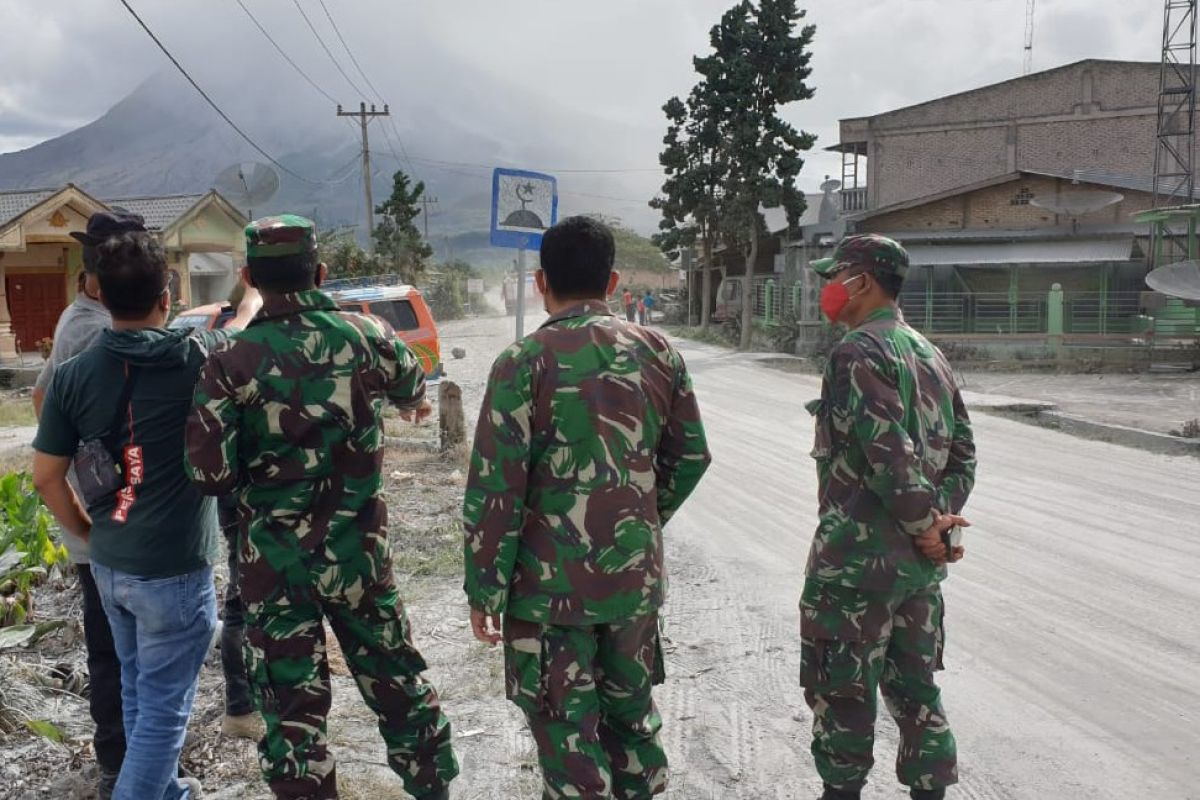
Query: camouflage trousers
[[349, 582], [586, 691], [854, 643]]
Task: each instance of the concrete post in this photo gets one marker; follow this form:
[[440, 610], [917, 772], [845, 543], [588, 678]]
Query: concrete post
[[451, 423], [1054, 318]]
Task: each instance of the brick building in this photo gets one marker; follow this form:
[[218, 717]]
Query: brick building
[[1090, 115]]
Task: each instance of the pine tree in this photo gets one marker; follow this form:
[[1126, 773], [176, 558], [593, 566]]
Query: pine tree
[[696, 172], [398, 242], [759, 64]]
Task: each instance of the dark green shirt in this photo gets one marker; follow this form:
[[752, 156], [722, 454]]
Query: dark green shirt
[[161, 525]]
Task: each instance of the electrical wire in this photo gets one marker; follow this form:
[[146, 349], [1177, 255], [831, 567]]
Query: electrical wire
[[210, 101], [328, 52], [389, 121], [286, 57]]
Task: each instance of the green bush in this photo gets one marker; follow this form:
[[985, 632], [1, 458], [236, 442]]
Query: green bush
[[29, 546], [445, 299]]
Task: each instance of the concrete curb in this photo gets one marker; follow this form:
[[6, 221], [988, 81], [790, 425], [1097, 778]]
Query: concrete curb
[[1155, 442]]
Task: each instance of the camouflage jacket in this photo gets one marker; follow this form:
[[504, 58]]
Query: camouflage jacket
[[289, 415], [589, 439], [893, 446]]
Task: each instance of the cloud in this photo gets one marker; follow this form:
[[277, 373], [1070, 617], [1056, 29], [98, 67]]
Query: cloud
[[63, 63]]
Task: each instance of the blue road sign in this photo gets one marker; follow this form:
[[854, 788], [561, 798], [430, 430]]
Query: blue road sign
[[524, 205]]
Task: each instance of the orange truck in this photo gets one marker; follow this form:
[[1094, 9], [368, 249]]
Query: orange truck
[[403, 307]]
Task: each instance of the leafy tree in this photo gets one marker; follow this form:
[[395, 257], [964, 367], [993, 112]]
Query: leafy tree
[[759, 64], [398, 242], [344, 257], [695, 165], [634, 251]]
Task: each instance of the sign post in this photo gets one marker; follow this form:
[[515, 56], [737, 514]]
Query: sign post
[[524, 205]]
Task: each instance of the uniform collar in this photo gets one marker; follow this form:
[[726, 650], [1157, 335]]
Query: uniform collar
[[282, 305], [588, 308], [887, 313]]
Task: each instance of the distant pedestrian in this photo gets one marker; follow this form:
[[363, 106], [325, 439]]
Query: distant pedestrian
[[648, 303], [895, 466], [630, 306], [589, 440], [153, 536], [641, 311], [80, 325], [290, 416]]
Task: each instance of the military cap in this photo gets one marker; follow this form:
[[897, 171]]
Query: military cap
[[285, 235], [876, 253]]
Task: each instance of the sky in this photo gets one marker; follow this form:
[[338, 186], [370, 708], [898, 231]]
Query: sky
[[64, 64]]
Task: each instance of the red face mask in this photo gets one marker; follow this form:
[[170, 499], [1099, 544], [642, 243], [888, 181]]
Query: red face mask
[[834, 299]]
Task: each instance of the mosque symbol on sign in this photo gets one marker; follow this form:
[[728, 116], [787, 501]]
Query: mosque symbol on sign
[[524, 218]]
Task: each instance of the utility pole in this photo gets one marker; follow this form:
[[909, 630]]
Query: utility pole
[[426, 201], [364, 118], [1030, 17]]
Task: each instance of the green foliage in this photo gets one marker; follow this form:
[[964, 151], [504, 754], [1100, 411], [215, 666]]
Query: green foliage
[[29, 547], [46, 730], [728, 151], [344, 257], [634, 251], [398, 242], [446, 289]]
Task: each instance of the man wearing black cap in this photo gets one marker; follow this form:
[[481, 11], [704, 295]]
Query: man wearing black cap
[[78, 328]]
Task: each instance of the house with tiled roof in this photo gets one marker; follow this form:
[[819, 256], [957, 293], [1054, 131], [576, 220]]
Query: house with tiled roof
[[40, 262]]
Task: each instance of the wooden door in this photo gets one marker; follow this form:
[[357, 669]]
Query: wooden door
[[35, 303]]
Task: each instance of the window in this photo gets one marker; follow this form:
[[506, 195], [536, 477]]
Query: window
[[399, 314], [1022, 197]]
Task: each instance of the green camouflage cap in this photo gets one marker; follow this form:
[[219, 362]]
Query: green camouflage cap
[[285, 235], [877, 253]]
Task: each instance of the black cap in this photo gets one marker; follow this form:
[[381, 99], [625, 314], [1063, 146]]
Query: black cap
[[104, 225]]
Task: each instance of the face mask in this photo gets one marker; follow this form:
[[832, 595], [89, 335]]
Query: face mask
[[834, 299]]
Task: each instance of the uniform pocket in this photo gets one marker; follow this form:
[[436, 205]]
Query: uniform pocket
[[834, 647], [822, 435], [524, 664]]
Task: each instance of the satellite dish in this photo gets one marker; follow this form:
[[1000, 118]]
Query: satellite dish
[[1077, 203], [248, 184], [1180, 280]]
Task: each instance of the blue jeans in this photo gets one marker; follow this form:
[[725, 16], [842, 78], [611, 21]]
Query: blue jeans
[[162, 628]]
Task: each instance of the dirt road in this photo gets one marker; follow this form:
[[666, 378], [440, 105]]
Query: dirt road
[[1072, 636]]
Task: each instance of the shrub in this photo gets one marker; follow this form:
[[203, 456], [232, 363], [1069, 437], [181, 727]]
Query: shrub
[[29, 546]]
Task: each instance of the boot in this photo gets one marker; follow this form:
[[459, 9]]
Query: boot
[[244, 726], [928, 794], [440, 794], [840, 794], [106, 784]]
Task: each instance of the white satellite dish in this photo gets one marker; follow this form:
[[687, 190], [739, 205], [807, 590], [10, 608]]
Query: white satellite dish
[[248, 184], [1078, 202], [1180, 280]]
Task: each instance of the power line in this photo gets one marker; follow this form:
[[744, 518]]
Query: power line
[[210, 101], [350, 52], [286, 57], [328, 52], [389, 122]]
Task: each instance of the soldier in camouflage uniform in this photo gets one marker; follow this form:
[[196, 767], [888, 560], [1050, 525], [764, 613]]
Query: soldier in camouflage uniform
[[589, 439], [895, 463], [289, 416]]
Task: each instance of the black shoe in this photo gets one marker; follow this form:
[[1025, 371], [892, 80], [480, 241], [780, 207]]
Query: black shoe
[[440, 794], [928, 794], [106, 785], [840, 794]]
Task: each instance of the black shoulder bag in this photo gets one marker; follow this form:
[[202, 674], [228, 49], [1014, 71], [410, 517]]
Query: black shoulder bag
[[97, 470]]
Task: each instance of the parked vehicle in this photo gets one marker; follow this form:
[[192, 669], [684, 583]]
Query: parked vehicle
[[533, 298], [403, 307]]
